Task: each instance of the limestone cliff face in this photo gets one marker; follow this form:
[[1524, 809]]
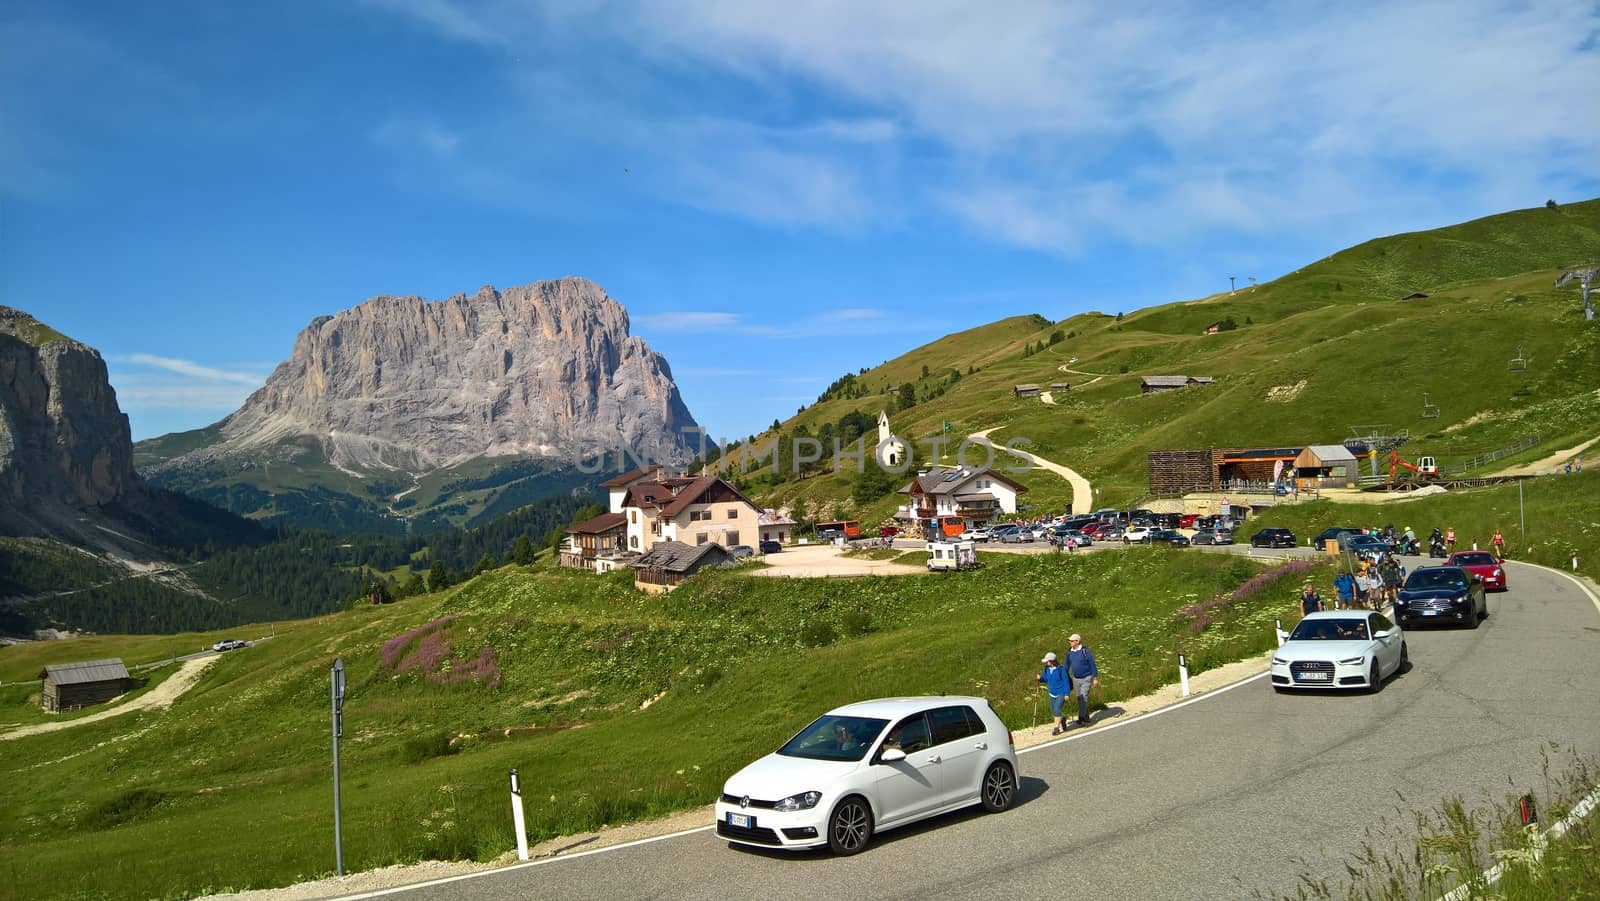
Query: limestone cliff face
[[546, 370], [63, 441]]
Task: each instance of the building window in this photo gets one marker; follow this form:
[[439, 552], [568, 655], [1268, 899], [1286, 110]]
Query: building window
[[733, 512], [633, 516], [633, 541], [733, 539], [655, 527], [700, 538]]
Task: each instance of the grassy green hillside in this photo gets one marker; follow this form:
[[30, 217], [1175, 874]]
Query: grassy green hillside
[[612, 703], [1332, 346], [566, 676]]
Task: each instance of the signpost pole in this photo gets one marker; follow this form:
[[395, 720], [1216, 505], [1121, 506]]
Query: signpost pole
[[336, 689]]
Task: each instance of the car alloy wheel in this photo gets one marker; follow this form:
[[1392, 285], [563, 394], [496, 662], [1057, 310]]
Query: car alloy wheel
[[850, 826], [1375, 678], [1405, 659], [999, 787]]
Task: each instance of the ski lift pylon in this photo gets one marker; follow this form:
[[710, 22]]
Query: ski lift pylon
[[1429, 410], [1518, 363]]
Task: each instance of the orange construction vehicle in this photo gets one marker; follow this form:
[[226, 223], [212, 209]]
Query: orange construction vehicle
[[1425, 469]]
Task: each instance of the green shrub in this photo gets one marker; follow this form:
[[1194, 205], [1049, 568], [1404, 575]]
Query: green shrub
[[856, 623], [427, 747], [817, 633], [124, 808], [1084, 611]]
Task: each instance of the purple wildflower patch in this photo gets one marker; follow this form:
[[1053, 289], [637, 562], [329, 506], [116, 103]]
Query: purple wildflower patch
[[394, 648], [1203, 614]]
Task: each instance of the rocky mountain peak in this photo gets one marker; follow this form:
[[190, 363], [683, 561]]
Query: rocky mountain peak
[[544, 370], [64, 443]]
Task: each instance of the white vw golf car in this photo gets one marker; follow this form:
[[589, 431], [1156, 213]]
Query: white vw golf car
[[871, 766], [1340, 649]]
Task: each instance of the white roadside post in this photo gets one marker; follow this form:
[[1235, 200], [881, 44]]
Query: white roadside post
[[1183, 675], [517, 819]]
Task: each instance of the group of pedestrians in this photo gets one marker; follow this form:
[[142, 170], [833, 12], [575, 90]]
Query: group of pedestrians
[[1076, 675]]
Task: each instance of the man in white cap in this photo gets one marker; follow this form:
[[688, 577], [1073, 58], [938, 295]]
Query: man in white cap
[[1055, 681], [1083, 672]]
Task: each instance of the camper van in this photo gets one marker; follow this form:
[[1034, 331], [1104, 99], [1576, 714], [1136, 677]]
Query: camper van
[[950, 556]]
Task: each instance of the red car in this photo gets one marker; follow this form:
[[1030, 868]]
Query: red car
[[1186, 521], [1094, 529], [1483, 565]]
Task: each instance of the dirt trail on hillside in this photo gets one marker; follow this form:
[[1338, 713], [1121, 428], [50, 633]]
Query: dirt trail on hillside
[[158, 698], [1082, 491], [1548, 465], [1064, 368]]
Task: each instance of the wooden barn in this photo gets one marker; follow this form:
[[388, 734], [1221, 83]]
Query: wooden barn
[[1025, 391], [668, 563], [68, 686]]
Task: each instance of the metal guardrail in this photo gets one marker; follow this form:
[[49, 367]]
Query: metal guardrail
[[1499, 454]]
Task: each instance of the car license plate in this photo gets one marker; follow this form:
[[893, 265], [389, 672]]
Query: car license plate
[[742, 821], [1315, 677], [1430, 613]]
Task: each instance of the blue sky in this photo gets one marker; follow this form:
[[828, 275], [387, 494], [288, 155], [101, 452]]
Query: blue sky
[[778, 192]]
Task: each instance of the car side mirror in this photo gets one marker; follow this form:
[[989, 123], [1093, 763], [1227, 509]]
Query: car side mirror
[[890, 755]]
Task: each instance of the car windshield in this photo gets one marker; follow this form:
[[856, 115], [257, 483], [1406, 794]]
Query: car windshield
[[1436, 578], [835, 738], [1481, 558], [1331, 630]]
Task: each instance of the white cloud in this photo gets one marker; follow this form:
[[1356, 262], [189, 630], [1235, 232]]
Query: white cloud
[[189, 368], [854, 314], [688, 321], [1049, 125], [721, 373]]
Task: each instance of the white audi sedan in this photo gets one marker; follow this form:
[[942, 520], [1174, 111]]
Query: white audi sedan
[[1340, 649], [868, 767]]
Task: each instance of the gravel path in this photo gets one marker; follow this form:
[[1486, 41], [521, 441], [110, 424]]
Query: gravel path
[[1082, 491], [158, 698]]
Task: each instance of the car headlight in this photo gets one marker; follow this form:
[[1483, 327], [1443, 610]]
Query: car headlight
[[1279, 661], [1497, 572], [802, 801], [1354, 661]]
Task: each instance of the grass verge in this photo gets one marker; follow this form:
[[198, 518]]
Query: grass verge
[[567, 676]]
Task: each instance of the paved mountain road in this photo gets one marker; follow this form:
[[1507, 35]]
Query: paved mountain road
[[1214, 799]]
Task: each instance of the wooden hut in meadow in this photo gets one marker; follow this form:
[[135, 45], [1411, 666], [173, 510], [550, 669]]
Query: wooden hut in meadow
[[68, 686]]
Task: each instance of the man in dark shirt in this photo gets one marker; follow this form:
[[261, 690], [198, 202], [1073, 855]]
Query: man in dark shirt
[[1310, 600]]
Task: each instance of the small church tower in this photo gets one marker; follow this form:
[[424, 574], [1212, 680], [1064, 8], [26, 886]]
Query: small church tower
[[890, 451]]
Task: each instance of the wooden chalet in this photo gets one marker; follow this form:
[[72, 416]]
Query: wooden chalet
[[68, 686], [1026, 391], [594, 539]]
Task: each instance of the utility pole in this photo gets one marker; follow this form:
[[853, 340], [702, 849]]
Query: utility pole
[[336, 686], [1230, 284]]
